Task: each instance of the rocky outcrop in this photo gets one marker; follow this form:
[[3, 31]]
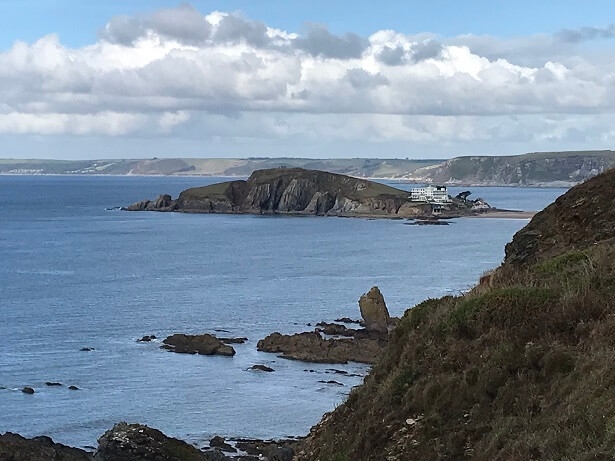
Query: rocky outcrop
[[292, 191], [205, 344], [360, 345], [576, 220], [14, 447], [162, 203], [374, 311], [137, 442], [312, 347]]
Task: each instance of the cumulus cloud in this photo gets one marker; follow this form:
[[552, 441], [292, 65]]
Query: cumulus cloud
[[429, 49], [318, 41], [177, 68], [361, 79], [184, 24], [392, 56], [587, 33], [233, 29]]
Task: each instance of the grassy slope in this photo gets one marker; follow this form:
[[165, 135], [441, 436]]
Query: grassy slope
[[521, 368], [533, 167], [347, 186]]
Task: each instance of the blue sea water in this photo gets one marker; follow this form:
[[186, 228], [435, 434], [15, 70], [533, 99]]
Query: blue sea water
[[74, 274]]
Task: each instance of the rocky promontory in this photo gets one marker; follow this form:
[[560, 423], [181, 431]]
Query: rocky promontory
[[300, 192]]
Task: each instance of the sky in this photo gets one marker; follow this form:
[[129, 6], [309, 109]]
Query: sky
[[389, 79]]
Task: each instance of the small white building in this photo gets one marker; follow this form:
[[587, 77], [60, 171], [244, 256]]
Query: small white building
[[430, 193]]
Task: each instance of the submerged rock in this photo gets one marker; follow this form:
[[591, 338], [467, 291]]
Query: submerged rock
[[261, 368], [146, 339], [233, 340], [204, 344]]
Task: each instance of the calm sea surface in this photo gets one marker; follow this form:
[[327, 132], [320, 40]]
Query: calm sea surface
[[75, 275]]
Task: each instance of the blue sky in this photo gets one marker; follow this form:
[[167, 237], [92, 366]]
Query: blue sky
[[307, 78], [77, 22]]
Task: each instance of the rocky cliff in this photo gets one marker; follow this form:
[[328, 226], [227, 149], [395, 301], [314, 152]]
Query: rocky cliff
[[293, 191], [535, 169], [518, 368]]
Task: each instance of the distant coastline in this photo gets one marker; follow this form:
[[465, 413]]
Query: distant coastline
[[546, 169]]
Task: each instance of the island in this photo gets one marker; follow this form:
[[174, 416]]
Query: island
[[298, 191]]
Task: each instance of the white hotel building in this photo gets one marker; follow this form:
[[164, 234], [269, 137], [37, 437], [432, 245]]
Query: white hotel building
[[430, 193]]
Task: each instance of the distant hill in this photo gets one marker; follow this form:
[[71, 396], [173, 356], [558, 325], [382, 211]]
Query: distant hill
[[535, 169], [358, 167]]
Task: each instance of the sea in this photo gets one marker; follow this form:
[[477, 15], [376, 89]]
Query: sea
[[76, 272]]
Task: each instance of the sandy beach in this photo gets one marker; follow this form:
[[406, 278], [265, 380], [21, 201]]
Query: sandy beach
[[506, 214]]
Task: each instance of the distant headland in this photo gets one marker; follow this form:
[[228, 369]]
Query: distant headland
[[538, 169]]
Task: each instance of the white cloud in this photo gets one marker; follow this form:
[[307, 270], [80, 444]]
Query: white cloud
[[106, 123], [152, 74]]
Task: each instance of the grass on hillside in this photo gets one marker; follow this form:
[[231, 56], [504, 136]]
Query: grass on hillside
[[518, 369]]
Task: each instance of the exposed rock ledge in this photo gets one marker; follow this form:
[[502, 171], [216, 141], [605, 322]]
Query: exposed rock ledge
[[299, 191]]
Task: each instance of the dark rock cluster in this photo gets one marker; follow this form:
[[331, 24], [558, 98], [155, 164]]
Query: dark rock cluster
[[204, 344]]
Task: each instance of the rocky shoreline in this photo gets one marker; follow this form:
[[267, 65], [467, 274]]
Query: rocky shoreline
[[329, 342], [138, 442]]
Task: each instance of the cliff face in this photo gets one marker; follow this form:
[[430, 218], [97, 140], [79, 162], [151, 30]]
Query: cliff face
[[293, 191], [519, 368], [539, 169]]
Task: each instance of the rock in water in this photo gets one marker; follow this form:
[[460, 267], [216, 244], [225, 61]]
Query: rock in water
[[205, 344], [311, 347], [162, 203], [18, 448], [261, 368], [137, 442], [374, 311]]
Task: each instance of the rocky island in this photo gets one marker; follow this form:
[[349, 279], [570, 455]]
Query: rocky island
[[297, 191]]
